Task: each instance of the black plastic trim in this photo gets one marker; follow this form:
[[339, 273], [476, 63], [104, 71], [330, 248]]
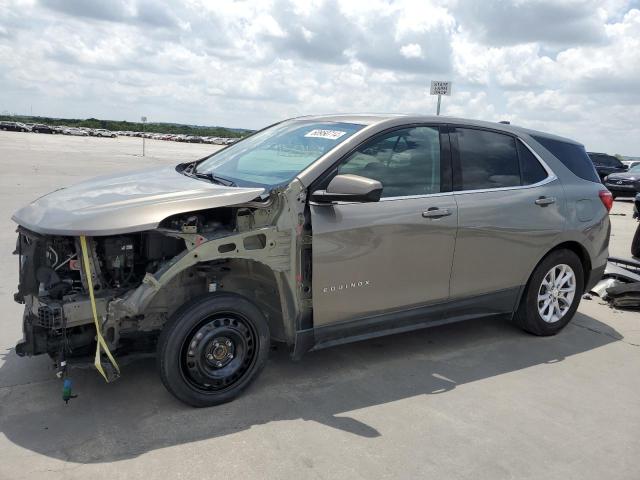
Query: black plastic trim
[[495, 304]]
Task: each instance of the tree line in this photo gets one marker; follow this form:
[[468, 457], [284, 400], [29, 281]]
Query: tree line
[[115, 125]]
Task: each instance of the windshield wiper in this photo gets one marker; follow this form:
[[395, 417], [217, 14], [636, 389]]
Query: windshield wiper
[[215, 178]]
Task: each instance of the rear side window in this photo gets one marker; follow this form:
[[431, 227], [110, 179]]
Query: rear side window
[[530, 168], [573, 156], [487, 159]]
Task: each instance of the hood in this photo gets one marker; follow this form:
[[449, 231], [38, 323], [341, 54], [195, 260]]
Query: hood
[[124, 203], [624, 176]]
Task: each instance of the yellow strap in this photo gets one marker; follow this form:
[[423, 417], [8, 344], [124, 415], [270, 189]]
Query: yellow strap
[[101, 341]]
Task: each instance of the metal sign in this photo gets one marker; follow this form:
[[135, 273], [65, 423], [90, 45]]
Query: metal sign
[[440, 88]]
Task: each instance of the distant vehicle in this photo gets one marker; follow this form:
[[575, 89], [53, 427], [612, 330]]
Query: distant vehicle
[[76, 132], [13, 127], [606, 164], [40, 128], [624, 184], [631, 163], [101, 132]]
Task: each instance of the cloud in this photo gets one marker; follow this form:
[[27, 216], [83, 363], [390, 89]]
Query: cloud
[[499, 22], [565, 67], [144, 11]]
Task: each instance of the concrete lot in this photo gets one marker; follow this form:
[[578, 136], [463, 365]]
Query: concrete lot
[[476, 400]]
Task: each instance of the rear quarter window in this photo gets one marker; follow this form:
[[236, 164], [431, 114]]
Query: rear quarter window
[[573, 156]]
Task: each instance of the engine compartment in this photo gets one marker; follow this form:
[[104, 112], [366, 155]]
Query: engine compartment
[[54, 290]]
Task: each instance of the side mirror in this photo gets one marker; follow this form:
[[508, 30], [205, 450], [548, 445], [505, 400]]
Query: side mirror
[[349, 188]]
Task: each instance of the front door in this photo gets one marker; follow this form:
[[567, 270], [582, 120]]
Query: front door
[[373, 258]]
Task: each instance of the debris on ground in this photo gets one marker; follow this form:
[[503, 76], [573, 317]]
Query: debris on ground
[[620, 284]]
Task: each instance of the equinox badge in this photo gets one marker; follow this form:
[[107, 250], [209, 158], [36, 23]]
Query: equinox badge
[[346, 286]]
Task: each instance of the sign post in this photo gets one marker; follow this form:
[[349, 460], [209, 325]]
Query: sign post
[[440, 88], [144, 120]]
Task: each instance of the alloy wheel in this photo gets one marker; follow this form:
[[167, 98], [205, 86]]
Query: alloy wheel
[[556, 293]]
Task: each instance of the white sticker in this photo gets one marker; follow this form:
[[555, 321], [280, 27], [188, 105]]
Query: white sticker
[[330, 134]]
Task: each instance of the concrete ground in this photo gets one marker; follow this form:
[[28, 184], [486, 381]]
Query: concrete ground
[[475, 400]]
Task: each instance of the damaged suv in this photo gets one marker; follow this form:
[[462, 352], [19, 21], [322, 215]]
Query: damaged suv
[[312, 232]]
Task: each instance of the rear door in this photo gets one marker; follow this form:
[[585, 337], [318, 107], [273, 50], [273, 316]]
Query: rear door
[[371, 258], [509, 205]]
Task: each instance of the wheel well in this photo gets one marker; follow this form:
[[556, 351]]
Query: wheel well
[[580, 251], [576, 248], [257, 282]]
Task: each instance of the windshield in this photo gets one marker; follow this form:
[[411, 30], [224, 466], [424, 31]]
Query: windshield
[[277, 154], [635, 169]]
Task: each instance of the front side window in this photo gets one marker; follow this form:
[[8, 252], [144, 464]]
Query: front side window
[[277, 154], [405, 161], [487, 159]]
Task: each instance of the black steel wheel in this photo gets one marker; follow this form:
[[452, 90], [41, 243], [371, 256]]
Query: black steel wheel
[[212, 348]]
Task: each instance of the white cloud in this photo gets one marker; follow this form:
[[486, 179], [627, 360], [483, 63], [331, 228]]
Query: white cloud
[[411, 50], [570, 68]]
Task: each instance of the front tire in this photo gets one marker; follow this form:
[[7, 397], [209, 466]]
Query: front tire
[[212, 349], [552, 295]]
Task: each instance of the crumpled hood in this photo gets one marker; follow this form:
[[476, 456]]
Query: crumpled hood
[[124, 203]]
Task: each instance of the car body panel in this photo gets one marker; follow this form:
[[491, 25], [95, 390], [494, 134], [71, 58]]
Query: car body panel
[[501, 236], [371, 258], [126, 203]]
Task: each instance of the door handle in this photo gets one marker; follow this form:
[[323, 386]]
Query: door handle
[[544, 201], [435, 212]]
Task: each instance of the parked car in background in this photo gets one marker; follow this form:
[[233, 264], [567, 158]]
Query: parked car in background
[[101, 132], [631, 163], [40, 128], [313, 232], [624, 184], [606, 164], [13, 126], [75, 132]]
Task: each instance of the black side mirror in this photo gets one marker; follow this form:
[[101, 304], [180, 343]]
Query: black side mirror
[[349, 188]]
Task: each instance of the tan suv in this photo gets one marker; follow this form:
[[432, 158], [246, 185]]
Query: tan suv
[[312, 232]]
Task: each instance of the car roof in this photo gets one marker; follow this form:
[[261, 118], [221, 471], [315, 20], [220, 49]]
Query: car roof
[[398, 119]]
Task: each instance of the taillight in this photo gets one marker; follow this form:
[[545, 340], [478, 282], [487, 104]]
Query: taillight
[[606, 198]]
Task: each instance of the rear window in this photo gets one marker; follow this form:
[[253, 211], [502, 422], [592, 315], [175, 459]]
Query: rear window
[[573, 156]]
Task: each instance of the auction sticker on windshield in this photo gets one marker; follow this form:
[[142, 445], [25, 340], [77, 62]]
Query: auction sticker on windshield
[[330, 134]]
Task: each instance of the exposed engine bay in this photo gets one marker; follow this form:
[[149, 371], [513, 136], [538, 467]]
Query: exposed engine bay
[[139, 279]]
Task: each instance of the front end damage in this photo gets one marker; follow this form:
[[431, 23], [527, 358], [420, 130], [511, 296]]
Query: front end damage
[[141, 278]]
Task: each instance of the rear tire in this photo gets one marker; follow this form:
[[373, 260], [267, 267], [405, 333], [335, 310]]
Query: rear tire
[[635, 243], [548, 303], [212, 349]]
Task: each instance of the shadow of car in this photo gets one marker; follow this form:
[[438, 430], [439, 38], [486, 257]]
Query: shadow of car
[[135, 414]]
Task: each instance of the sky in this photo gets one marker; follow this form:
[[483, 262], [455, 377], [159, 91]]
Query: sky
[[567, 67]]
